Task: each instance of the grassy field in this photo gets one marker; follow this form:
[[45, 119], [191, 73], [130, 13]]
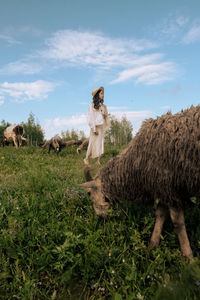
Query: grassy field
[[52, 246]]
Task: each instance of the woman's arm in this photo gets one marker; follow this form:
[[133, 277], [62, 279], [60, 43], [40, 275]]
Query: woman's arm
[[106, 117], [91, 119]]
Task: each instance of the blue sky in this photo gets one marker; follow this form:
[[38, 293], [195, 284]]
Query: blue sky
[[54, 53]]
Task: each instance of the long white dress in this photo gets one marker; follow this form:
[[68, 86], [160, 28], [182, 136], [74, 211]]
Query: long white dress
[[98, 121]]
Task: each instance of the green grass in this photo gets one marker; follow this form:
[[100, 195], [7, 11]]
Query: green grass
[[52, 246]]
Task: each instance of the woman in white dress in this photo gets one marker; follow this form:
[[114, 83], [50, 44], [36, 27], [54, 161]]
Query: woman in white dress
[[98, 120]]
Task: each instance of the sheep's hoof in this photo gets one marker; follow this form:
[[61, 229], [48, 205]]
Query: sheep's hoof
[[153, 245]]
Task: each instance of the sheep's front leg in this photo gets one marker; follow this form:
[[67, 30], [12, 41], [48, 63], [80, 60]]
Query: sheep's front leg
[[15, 141], [160, 218], [177, 218]]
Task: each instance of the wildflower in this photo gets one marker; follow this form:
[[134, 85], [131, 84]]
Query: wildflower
[[197, 283], [101, 289], [93, 286], [139, 296], [73, 191], [123, 260], [118, 213], [109, 254], [3, 157], [112, 272]]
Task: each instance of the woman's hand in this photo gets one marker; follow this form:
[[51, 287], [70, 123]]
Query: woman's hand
[[104, 116]]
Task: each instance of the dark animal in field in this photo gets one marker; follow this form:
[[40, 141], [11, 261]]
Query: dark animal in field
[[161, 162], [13, 134], [73, 142], [57, 144], [83, 146]]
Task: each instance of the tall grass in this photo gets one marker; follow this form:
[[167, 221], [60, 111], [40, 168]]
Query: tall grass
[[52, 246]]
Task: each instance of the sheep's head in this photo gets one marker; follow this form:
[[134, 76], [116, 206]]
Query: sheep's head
[[55, 144], [99, 201]]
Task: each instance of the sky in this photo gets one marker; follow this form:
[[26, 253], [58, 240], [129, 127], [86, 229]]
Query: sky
[[145, 53]]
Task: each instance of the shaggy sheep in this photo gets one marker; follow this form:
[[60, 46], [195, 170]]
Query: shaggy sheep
[[161, 162], [13, 134], [54, 143], [73, 142], [83, 146], [57, 144]]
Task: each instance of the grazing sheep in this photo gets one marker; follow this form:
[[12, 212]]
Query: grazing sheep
[[83, 146], [72, 142], [13, 134], [54, 143], [161, 162], [57, 144]]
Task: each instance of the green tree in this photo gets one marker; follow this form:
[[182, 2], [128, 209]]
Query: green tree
[[33, 131], [120, 132], [73, 135], [82, 135], [66, 135]]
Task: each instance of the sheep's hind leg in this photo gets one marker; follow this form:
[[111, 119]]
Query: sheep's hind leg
[[160, 218], [177, 218]]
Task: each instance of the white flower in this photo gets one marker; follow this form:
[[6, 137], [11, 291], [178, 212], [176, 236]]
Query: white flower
[[139, 296]]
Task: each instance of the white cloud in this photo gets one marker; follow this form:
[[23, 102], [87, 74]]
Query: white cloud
[[82, 48], [165, 107], [22, 67], [135, 117], [90, 48], [55, 126], [30, 31], [9, 39], [172, 26], [1, 100], [79, 122], [11, 34], [23, 91], [149, 74], [192, 35], [173, 91], [117, 108], [104, 54]]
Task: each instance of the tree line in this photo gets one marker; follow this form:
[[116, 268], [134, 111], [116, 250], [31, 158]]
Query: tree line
[[119, 133]]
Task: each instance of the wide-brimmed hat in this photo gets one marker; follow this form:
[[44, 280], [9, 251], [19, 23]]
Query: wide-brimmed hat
[[101, 88]]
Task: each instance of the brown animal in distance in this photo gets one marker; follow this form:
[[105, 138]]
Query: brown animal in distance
[[83, 146], [57, 144], [161, 162], [13, 134]]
